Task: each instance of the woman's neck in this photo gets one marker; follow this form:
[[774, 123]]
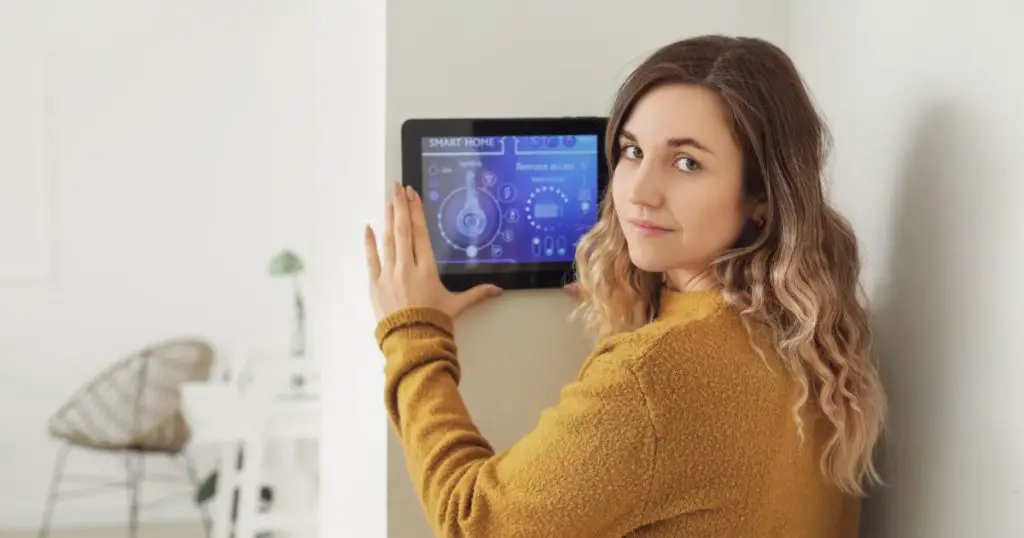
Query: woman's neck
[[684, 280]]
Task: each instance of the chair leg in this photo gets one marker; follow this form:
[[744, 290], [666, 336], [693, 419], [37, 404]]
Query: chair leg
[[194, 477], [224, 503], [249, 488], [134, 481], [51, 499]]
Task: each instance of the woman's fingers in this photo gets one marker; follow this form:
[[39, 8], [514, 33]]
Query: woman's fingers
[[406, 238], [389, 235], [403, 229], [420, 236], [372, 256]]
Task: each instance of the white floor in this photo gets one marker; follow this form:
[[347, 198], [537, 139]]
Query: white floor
[[168, 530]]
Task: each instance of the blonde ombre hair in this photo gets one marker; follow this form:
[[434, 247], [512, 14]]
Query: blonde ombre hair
[[797, 275]]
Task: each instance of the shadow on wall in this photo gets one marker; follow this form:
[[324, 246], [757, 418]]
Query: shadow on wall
[[913, 320]]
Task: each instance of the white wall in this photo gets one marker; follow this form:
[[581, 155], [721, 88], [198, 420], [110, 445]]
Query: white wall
[[927, 106], [350, 96], [183, 151], [514, 59]]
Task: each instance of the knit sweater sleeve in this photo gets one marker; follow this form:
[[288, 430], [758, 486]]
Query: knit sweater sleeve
[[584, 470]]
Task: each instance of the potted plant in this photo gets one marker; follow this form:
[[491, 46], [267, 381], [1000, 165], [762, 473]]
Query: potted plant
[[288, 264]]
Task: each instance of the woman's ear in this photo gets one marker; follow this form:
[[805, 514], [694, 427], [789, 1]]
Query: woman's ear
[[759, 212]]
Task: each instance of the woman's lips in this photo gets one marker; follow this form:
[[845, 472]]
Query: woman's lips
[[648, 228]]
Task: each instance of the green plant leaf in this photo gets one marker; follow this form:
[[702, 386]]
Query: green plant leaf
[[207, 489], [286, 263]]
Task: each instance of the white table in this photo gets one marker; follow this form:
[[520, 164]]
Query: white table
[[260, 406]]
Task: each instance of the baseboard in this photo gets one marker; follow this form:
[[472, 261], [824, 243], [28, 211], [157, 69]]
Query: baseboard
[[153, 530], [69, 516]]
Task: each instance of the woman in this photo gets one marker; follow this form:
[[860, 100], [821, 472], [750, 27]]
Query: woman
[[732, 393]]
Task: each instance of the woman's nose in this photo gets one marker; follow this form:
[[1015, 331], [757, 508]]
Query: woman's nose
[[646, 189]]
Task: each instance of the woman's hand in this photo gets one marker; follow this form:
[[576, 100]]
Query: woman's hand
[[572, 289], [407, 276]]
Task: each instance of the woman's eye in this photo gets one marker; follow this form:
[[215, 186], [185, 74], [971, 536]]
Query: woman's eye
[[687, 164], [632, 152]]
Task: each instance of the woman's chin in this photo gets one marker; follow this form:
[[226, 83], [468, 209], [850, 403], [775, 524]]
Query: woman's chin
[[647, 259]]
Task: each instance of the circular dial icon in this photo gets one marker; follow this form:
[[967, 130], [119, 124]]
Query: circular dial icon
[[469, 218], [545, 206]]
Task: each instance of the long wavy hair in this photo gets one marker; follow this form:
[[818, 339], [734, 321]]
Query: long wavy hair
[[797, 274]]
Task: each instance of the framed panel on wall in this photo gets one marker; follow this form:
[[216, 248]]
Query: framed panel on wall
[[25, 175]]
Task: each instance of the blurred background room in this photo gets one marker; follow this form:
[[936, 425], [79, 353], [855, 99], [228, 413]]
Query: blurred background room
[[156, 163]]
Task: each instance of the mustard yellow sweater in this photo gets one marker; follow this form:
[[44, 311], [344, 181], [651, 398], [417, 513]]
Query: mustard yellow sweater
[[677, 429]]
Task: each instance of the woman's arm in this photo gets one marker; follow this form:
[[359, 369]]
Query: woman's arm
[[584, 470]]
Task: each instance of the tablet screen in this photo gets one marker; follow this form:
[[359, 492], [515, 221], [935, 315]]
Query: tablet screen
[[508, 200]]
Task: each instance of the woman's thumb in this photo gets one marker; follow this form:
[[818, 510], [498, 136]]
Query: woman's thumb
[[477, 295]]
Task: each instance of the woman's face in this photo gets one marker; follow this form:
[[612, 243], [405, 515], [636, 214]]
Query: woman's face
[[678, 184]]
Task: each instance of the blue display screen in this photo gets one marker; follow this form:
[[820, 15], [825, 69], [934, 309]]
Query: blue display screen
[[509, 199]]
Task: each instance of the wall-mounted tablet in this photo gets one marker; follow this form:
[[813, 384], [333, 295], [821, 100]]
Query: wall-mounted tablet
[[506, 199]]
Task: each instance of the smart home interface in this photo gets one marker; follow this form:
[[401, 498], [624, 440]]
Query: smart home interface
[[510, 199], [508, 202]]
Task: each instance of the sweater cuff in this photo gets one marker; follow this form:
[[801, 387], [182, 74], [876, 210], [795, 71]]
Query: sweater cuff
[[411, 317]]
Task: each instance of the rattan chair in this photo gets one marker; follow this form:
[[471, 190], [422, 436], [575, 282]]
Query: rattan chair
[[132, 410]]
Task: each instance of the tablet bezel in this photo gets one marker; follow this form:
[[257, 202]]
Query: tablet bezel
[[519, 276]]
